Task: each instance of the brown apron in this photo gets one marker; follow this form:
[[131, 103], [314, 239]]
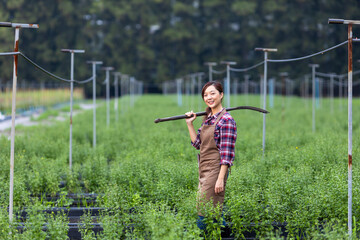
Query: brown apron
[[209, 167]]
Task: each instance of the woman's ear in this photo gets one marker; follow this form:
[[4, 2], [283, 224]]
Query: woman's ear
[[222, 95]]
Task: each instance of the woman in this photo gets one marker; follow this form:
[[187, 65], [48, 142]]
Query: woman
[[216, 140]]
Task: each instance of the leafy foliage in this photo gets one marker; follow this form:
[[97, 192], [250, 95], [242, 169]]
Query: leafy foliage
[[146, 173]]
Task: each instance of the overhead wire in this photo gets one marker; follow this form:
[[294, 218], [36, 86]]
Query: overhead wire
[[51, 74], [246, 69], [308, 56]]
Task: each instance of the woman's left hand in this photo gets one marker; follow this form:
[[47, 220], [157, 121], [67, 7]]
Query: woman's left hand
[[219, 186]]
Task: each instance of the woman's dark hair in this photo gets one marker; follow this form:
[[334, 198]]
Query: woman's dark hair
[[217, 86]]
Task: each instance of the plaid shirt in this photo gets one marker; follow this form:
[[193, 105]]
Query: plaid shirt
[[225, 137]]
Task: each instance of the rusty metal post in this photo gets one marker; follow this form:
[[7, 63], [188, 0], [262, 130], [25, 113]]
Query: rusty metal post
[[13, 114], [265, 50], [17, 27], [313, 67], [350, 65], [210, 64], [228, 63], [116, 103], [94, 63], [107, 82], [72, 52], [350, 75]]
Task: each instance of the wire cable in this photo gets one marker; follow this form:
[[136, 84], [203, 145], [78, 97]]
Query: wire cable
[[246, 69], [51, 74], [218, 72], [308, 56], [84, 81], [325, 74], [345, 74], [43, 70]]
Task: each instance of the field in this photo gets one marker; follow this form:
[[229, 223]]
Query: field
[[26, 99], [145, 174]]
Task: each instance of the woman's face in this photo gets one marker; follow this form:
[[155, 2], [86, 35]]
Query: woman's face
[[212, 97]]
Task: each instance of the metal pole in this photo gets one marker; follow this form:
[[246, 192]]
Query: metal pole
[[283, 76], [199, 88], [210, 64], [107, 81], [265, 50], [192, 89], [17, 27], [132, 90], [332, 92], [179, 92], [116, 103], [264, 104], [246, 88], [228, 63], [13, 114], [72, 52], [306, 90], [350, 75], [94, 98], [271, 92], [313, 66], [350, 65]]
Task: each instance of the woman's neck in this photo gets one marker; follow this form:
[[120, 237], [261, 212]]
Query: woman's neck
[[216, 109]]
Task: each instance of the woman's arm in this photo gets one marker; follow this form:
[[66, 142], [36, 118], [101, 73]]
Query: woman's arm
[[189, 122], [219, 185]]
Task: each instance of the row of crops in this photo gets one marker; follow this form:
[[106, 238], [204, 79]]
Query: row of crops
[[144, 175]]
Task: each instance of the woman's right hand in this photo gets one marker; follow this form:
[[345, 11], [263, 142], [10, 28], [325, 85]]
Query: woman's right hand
[[191, 119]]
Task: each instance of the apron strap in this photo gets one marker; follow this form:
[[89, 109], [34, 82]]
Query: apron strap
[[221, 114]]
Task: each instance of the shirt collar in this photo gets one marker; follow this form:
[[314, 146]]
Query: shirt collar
[[215, 116]]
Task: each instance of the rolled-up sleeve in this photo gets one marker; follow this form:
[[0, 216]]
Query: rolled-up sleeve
[[197, 142], [228, 134]]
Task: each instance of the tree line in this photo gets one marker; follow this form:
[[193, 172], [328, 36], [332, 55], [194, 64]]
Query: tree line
[[159, 40]]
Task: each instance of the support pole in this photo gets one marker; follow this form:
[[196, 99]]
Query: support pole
[[283, 76], [179, 82], [350, 65], [246, 88], [332, 92], [350, 75], [94, 63], [228, 63], [265, 50], [72, 52], [17, 27], [107, 82], [313, 67], [116, 103], [13, 115], [210, 64], [199, 78]]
